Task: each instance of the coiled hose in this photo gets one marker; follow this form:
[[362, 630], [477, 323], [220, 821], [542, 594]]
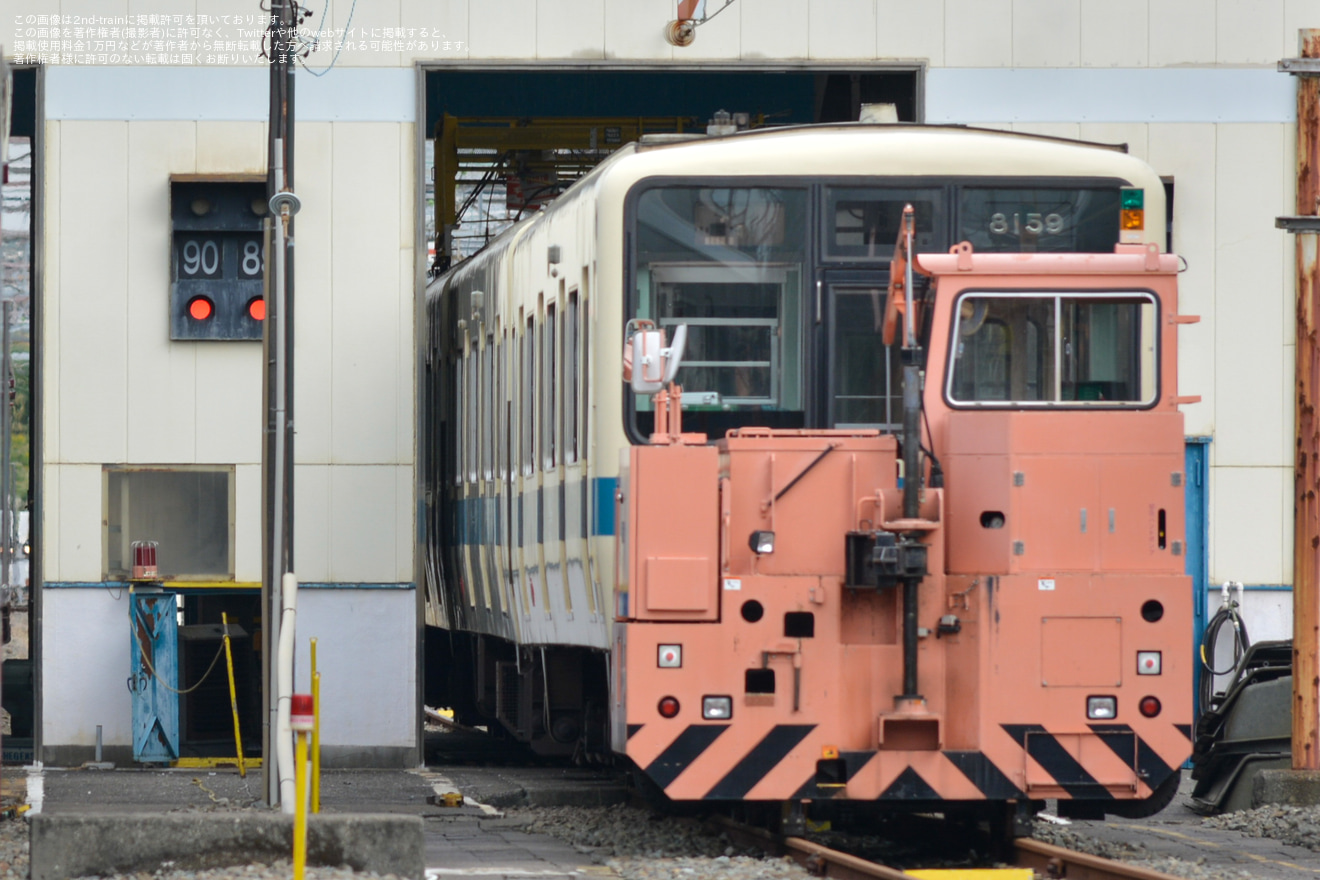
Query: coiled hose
[[1227, 615]]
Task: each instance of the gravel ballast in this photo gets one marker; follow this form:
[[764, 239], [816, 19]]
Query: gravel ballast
[[1295, 826], [639, 845]]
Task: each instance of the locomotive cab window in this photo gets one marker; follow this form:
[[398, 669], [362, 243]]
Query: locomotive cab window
[[728, 263], [1065, 349]]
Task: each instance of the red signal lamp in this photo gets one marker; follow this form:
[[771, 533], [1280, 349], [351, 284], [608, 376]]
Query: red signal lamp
[[1149, 706], [200, 308], [668, 707], [256, 308]]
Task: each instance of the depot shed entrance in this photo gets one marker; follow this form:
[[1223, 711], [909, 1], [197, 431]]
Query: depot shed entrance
[[522, 135]]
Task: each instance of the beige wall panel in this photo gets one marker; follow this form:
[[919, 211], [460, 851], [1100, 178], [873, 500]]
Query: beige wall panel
[[364, 522], [247, 522], [442, 20], [1249, 306], [408, 189], [635, 30], [1287, 243], [1046, 33], [1297, 14], [570, 29], [910, 30], [1187, 153], [841, 29], [161, 400], [773, 29], [166, 7], [79, 7], [50, 523], [1113, 33], [314, 291], [78, 509], [1250, 516], [505, 30], [406, 417], [978, 33], [368, 372], [1133, 134], [1250, 32], [230, 422], [1181, 32], [243, 16], [719, 39], [231, 147], [50, 330], [404, 526], [311, 522], [92, 373], [373, 37], [1051, 129]]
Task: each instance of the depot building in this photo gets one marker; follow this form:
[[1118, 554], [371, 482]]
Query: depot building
[[147, 130]]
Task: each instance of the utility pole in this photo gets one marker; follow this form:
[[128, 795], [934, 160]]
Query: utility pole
[[277, 346]]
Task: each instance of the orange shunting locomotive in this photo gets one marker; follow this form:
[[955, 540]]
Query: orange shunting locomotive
[[987, 604]]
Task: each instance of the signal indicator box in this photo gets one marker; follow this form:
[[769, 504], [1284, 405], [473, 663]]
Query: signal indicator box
[[217, 259]]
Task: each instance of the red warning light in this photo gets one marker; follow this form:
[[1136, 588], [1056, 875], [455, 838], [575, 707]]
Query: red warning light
[[668, 707], [200, 308], [256, 308]]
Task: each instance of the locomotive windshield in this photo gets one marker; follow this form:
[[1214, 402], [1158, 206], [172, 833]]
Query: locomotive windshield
[[728, 263], [1054, 349]]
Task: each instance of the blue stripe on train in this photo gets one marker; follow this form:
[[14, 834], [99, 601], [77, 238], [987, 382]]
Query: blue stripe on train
[[602, 517]]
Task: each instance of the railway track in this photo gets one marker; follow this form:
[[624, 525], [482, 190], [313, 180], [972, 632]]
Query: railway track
[[1046, 860]]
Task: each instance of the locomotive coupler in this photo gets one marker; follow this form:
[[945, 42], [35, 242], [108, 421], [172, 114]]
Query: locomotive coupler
[[881, 560]]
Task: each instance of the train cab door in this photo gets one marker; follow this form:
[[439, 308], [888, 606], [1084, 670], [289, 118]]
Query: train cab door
[[862, 377]]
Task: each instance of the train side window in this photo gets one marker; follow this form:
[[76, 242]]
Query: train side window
[[528, 369], [571, 367], [486, 400], [460, 423], [585, 390], [548, 421], [501, 409], [473, 412]]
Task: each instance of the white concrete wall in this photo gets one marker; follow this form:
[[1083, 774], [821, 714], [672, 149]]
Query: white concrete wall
[[365, 654], [119, 391]]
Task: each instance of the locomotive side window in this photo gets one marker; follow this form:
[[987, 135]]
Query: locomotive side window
[[728, 263], [1056, 349]]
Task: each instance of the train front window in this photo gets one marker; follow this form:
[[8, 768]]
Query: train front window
[[728, 263], [1054, 350]]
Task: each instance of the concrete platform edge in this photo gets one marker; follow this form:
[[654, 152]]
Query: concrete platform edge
[[76, 845], [1298, 788]]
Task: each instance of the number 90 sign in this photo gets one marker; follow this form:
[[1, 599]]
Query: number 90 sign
[[205, 257]]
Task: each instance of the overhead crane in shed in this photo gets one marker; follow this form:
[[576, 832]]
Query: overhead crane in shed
[[535, 158]]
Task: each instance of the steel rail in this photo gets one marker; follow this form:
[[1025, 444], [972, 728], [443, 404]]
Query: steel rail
[[1048, 860], [1045, 859]]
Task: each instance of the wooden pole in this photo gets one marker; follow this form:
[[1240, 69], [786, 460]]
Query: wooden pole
[[1306, 526]]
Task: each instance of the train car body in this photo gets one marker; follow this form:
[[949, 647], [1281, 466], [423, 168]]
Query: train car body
[[594, 585]]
